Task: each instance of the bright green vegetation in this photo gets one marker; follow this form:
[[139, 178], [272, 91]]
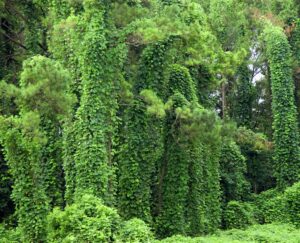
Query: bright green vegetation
[[149, 121], [258, 233]]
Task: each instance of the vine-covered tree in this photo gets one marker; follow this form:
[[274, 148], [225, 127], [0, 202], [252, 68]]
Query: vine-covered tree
[[136, 171], [126, 121], [286, 138], [36, 178]]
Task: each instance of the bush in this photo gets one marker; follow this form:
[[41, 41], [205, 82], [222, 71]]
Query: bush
[[87, 220], [238, 215], [291, 200], [270, 207], [134, 231], [274, 206], [9, 235]]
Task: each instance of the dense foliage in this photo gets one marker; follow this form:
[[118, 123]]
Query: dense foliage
[[137, 120], [286, 155], [258, 233]]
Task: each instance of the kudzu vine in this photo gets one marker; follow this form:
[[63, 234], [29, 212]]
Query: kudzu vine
[[286, 138], [24, 140], [136, 172]]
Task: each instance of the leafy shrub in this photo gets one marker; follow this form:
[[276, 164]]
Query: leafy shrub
[[291, 200], [135, 230], [87, 220], [238, 215], [270, 207], [9, 235], [275, 206]]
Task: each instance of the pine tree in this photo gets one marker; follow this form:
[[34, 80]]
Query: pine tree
[[42, 95]]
